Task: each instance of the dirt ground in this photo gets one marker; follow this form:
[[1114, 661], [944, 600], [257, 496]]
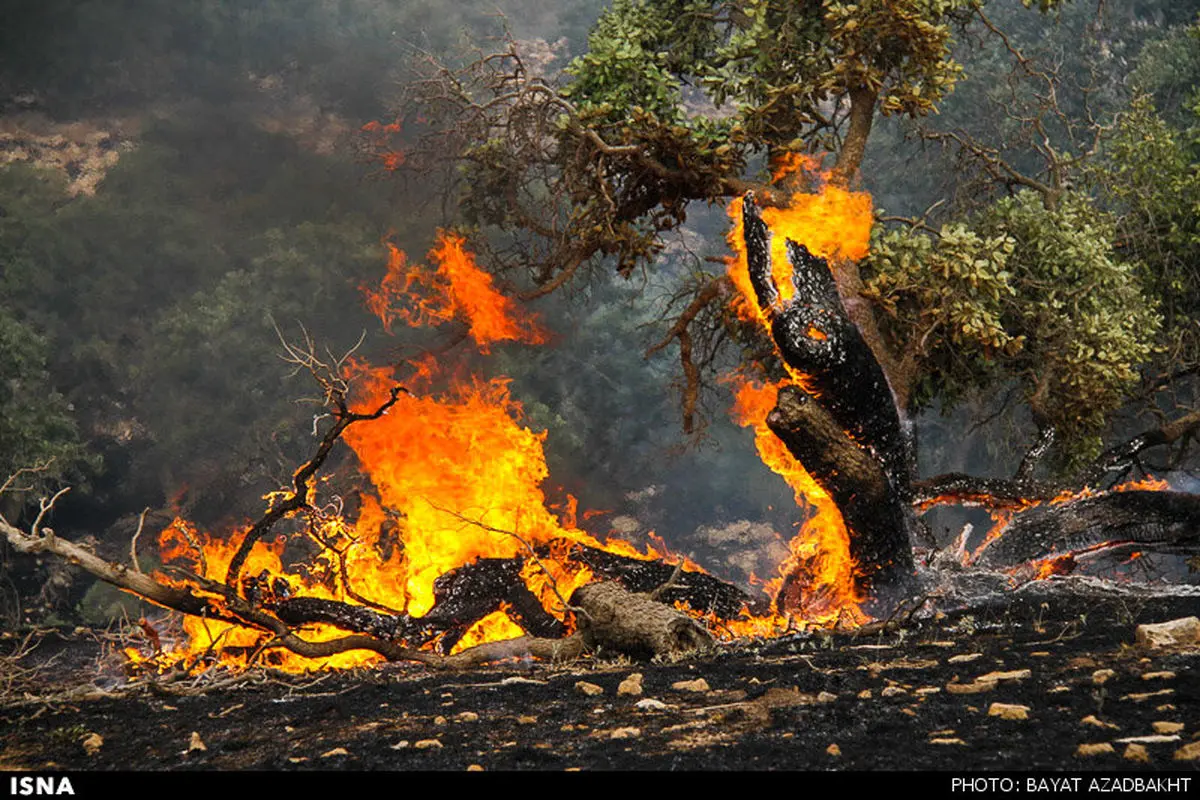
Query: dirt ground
[[1048, 678]]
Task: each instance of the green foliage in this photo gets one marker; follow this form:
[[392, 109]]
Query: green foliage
[[1022, 293], [36, 423], [765, 68]]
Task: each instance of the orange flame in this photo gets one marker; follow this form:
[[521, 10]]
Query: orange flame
[[456, 289]]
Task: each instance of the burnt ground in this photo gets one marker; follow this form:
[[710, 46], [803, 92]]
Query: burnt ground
[[801, 703]]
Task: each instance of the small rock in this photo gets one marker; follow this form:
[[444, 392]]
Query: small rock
[[970, 688], [1162, 675], [947, 740], [92, 743], [927, 690], [475, 768], [426, 744], [526, 720], [650, 704], [1092, 719], [1136, 752], [1157, 738], [1175, 633], [1102, 676], [631, 686], [337, 751], [439, 720], [590, 689], [297, 759], [625, 733], [964, 658], [865, 694], [833, 750], [1165, 707], [1002, 677], [698, 685], [1089, 750], [196, 743], [403, 744], [823, 697], [1008, 711], [1189, 752], [1059, 689], [892, 691], [1167, 727], [1138, 697], [467, 716]]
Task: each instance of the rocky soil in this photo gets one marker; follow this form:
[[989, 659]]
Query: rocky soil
[[1051, 677]]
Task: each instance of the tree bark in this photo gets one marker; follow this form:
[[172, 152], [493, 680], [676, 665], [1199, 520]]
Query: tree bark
[[617, 621]]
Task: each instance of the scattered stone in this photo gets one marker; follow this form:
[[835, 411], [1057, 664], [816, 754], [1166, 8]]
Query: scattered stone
[[826, 697], [912, 712], [92, 743], [475, 768], [1155, 739], [590, 689], [944, 732], [892, 691], [1002, 677], [439, 720], [196, 743], [1167, 727], [947, 740], [927, 690], [467, 716], [698, 685], [426, 744], [833, 750], [403, 744], [1189, 752], [625, 733], [1139, 697], [1040, 653], [1162, 675], [631, 686], [337, 751], [527, 720], [650, 704], [970, 688], [1175, 633], [865, 694], [1089, 750], [1059, 689], [297, 759], [1092, 719], [1102, 676], [779, 697], [1136, 752], [1008, 711], [964, 658]]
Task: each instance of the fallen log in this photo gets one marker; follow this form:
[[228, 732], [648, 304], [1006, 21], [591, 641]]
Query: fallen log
[[615, 621], [1167, 522]]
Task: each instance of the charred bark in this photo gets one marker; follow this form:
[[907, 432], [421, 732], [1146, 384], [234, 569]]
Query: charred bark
[[1166, 522], [843, 426]]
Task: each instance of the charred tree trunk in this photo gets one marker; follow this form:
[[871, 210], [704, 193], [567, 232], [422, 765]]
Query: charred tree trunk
[[843, 425]]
